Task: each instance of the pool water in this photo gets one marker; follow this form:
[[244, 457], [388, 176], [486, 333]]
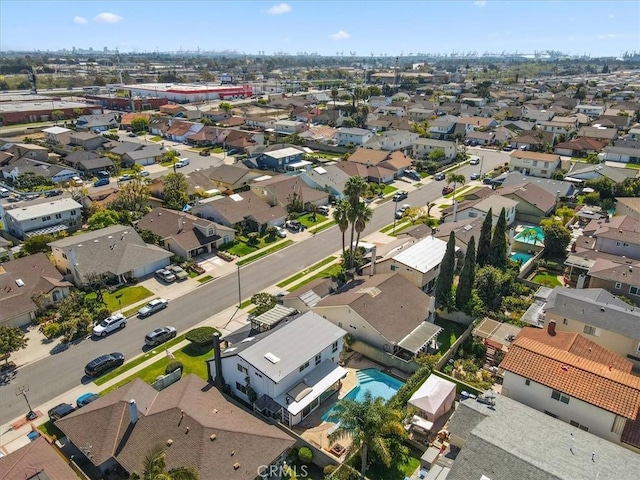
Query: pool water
[[369, 380], [530, 238], [521, 257]]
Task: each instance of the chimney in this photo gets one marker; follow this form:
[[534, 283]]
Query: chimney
[[551, 328], [373, 261], [180, 224], [133, 411], [219, 379]]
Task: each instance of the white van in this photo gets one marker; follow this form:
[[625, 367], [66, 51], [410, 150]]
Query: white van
[[183, 162], [4, 192]]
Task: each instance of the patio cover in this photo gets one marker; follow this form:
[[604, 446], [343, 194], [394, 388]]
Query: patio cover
[[420, 336], [47, 230], [434, 398]]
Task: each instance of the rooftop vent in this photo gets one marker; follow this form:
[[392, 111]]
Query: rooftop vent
[[212, 437], [19, 282], [271, 357], [169, 442], [236, 466]]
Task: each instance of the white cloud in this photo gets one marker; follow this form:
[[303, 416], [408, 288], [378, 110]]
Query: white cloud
[[78, 20], [480, 3], [107, 17], [339, 35], [279, 9]]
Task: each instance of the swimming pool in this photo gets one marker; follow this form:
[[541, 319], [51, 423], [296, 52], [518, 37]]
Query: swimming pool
[[521, 257], [369, 380], [530, 235]]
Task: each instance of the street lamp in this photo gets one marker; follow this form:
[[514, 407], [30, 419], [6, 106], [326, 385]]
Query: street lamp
[[239, 289], [31, 415]]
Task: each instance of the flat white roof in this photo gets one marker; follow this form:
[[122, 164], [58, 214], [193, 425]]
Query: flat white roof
[[424, 255], [56, 130], [41, 209], [283, 152]]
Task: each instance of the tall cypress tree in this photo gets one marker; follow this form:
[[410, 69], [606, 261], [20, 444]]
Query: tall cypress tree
[[444, 283], [499, 243], [467, 277], [483, 256]]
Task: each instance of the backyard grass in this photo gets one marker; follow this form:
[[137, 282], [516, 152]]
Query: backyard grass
[[388, 189], [547, 279], [322, 227], [307, 219], [135, 362], [328, 272], [123, 297], [265, 252], [403, 470], [191, 356], [49, 429], [304, 272], [450, 332], [205, 279]]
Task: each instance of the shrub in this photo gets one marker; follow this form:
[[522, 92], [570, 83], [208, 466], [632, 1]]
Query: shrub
[[51, 330], [173, 366], [253, 238], [329, 469], [305, 455], [201, 335], [402, 396]]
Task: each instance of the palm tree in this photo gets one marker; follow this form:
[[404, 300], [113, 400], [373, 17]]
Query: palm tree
[[355, 188], [154, 466], [455, 178], [334, 95], [340, 215], [370, 424], [362, 216]]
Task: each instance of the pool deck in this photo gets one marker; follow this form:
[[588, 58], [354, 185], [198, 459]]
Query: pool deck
[[315, 430]]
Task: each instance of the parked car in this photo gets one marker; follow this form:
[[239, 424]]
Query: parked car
[[53, 193], [183, 162], [109, 324], [132, 135], [487, 180], [323, 210], [281, 232], [412, 174], [294, 225], [178, 271], [76, 181], [99, 365], [447, 189], [86, 399], [474, 176], [400, 195], [439, 176], [125, 178], [508, 148], [165, 275], [205, 153], [144, 173], [159, 335], [59, 411], [101, 182], [152, 307], [473, 160], [400, 211]]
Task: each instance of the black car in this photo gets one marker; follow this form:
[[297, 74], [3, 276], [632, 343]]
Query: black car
[[53, 193], [99, 365], [59, 411], [487, 180], [399, 196]]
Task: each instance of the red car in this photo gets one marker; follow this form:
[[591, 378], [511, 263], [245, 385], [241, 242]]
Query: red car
[[446, 190]]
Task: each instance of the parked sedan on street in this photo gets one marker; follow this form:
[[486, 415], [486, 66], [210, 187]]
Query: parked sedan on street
[[474, 176], [110, 324], [125, 178], [152, 307], [99, 365], [439, 176], [159, 336]]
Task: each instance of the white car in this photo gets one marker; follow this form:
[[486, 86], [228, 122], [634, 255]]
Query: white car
[[474, 160], [281, 232], [165, 275], [114, 322], [152, 307]]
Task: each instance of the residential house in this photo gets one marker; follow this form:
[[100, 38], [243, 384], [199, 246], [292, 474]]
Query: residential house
[[115, 252], [53, 172], [279, 190], [605, 135], [57, 135], [393, 140], [319, 133], [371, 173], [532, 140], [518, 126], [418, 114], [26, 150], [101, 198], [566, 189], [127, 119], [180, 131], [534, 163], [352, 136], [36, 460], [261, 123], [385, 311], [418, 260], [87, 140], [329, 179], [442, 128], [422, 147], [63, 215], [582, 172], [147, 155], [573, 379], [534, 203], [97, 123], [120, 148], [183, 234], [198, 426], [593, 111], [292, 368], [392, 110], [579, 147], [536, 116], [629, 206], [474, 123], [172, 109], [231, 177], [243, 139], [208, 136], [280, 160], [88, 163], [288, 127], [470, 209], [481, 138], [307, 296], [26, 285], [560, 125], [618, 275], [623, 151], [618, 236], [397, 162], [598, 315], [243, 210], [216, 115], [502, 439]]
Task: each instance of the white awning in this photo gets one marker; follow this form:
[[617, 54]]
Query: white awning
[[420, 422]]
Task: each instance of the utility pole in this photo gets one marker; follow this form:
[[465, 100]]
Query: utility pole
[[239, 289]]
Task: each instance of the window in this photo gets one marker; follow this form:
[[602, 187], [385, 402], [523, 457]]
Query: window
[[393, 268], [625, 244], [73, 213], [581, 427], [561, 397], [618, 286], [527, 382], [535, 163], [618, 244], [634, 290], [48, 217], [242, 369], [318, 358], [544, 172], [473, 214], [241, 388], [64, 255], [303, 367], [589, 330], [58, 216], [334, 347]]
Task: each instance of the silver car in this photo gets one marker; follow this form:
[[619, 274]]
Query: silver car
[[152, 307]]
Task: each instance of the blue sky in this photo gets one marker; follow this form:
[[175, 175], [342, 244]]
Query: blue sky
[[327, 27]]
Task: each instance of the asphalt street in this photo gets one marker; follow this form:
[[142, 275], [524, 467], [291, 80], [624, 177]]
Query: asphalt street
[[51, 377]]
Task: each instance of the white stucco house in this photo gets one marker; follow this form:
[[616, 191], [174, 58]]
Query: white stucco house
[[353, 136], [47, 217], [534, 163]]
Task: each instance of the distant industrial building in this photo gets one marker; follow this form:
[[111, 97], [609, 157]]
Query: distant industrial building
[[186, 93], [12, 113]]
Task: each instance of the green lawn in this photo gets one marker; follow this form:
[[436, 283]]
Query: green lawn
[[307, 220], [322, 227], [451, 331], [403, 470], [137, 361], [246, 303], [265, 252], [388, 189], [191, 356], [205, 279], [328, 272], [460, 190], [123, 297], [635, 166], [306, 271], [547, 279], [242, 247], [156, 139]]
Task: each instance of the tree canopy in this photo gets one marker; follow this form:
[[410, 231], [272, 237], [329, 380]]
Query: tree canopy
[[498, 248], [444, 283], [12, 339], [155, 468], [484, 242], [175, 191], [467, 277], [556, 237]]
